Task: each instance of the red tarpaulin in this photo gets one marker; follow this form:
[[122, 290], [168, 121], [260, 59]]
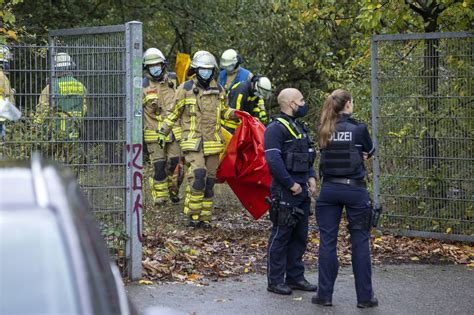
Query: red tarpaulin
[[244, 167]]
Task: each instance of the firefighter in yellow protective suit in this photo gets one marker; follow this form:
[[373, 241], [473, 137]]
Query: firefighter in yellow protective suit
[[62, 119], [159, 87], [200, 105], [6, 92]]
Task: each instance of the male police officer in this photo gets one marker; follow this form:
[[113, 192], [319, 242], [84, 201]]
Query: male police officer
[[290, 156], [159, 87], [200, 106], [249, 96]]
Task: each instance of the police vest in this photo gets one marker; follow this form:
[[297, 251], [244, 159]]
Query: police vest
[[69, 100], [341, 157], [298, 153], [242, 75]]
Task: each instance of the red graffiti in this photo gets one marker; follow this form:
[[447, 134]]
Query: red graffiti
[[137, 184], [137, 150]]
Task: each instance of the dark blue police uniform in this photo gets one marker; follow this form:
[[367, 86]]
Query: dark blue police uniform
[[290, 156], [343, 172]]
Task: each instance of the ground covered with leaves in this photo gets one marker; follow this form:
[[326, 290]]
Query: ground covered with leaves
[[237, 245]]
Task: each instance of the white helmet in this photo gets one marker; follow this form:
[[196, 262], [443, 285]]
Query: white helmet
[[63, 61], [263, 86], [229, 58], [203, 59], [153, 56], [5, 54]]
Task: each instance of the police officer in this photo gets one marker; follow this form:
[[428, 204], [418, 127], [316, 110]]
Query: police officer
[[199, 107], [159, 87], [249, 96], [231, 70], [345, 144], [290, 156]]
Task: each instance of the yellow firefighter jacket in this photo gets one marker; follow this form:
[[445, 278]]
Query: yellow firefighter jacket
[[158, 97], [200, 111]]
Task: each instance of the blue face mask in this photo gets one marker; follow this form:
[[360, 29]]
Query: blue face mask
[[205, 74], [155, 71], [302, 110]]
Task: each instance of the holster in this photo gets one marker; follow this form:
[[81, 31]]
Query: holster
[[362, 222], [376, 214], [284, 215]]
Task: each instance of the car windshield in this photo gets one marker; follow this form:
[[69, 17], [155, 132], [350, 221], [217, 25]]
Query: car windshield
[[35, 270]]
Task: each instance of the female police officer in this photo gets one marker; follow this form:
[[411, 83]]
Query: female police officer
[[345, 144]]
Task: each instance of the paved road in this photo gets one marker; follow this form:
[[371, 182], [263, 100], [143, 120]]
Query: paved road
[[402, 289]]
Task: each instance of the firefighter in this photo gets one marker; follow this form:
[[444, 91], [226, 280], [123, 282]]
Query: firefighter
[[231, 70], [290, 155], [63, 117], [249, 96], [159, 87], [6, 92], [199, 105], [345, 144]]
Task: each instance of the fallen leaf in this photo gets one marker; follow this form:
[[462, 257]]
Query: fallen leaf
[[144, 282], [298, 298], [414, 258], [194, 277]]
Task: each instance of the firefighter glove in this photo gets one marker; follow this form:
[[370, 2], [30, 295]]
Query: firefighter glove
[[161, 139]]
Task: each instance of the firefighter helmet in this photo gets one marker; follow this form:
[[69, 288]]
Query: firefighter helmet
[[263, 86], [153, 56], [62, 61], [203, 59]]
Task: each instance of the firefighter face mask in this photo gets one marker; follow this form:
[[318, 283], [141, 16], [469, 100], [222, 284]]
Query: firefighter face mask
[[205, 74], [155, 71]]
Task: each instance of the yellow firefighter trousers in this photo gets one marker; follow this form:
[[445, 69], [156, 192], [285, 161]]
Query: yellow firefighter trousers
[[160, 158], [201, 177]]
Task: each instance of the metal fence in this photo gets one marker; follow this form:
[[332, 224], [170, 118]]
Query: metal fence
[[423, 125], [80, 100]]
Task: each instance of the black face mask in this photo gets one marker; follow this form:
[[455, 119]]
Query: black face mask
[[301, 111]]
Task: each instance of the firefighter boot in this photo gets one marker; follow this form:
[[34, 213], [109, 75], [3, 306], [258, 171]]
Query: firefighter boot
[[206, 214], [193, 206], [159, 192]]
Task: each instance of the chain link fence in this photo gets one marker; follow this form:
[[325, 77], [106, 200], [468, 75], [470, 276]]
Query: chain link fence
[[423, 122], [76, 98]]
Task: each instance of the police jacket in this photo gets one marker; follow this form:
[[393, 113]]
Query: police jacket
[[201, 111], [69, 102], [242, 98], [241, 75], [342, 157], [158, 96], [289, 152]]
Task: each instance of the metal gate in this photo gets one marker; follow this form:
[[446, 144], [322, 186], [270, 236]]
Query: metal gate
[[423, 125], [80, 97]]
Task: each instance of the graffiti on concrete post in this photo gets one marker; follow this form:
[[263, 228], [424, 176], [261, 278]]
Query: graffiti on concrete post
[[137, 183]]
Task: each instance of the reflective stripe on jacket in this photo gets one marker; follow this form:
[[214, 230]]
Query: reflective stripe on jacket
[[200, 111]]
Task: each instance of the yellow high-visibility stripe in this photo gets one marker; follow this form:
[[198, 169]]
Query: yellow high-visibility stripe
[[149, 97], [290, 129], [71, 87], [239, 101]]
